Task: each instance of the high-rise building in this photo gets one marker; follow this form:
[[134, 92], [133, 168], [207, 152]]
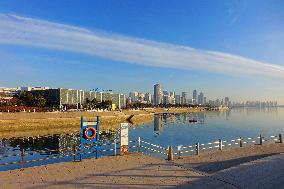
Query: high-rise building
[[141, 97], [227, 101], [177, 99], [158, 94], [184, 98], [194, 97], [133, 96], [172, 98], [128, 100], [166, 99], [217, 102], [148, 98], [201, 98]]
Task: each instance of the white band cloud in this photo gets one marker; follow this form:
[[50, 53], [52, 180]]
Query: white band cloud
[[16, 30]]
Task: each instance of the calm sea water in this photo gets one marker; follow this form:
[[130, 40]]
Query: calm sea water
[[164, 130], [176, 130]]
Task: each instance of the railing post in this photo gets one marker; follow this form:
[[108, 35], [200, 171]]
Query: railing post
[[280, 138], [96, 146], [80, 154], [260, 140], [170, 153], [179, 151], [139, 144], [114, 147], [197, 148], [241, 142], [220, 144], [74, 151], [80, 151], [23, 152]]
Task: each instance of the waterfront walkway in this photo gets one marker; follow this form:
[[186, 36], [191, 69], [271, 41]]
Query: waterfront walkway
[[263, 173], [261, 167]]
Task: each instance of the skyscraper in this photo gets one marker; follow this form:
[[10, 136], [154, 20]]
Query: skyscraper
[[158, 94], [148, 98], [227, 101], [172, 98], [184, 98], [133, 96], [177, 99], [194, 97], [201, 98], [166, 97]]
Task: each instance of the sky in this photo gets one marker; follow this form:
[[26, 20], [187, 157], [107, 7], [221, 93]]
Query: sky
[[223, 48]]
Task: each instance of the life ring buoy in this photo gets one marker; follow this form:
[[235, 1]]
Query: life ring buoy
[[94, 132]]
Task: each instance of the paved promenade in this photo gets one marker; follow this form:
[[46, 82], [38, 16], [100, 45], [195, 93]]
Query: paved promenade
[[132, 171], [263, 173]]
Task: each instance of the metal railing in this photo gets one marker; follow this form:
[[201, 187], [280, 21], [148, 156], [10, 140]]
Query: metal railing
[[220, 144], [140, 145], [152, 147], [68, 152]]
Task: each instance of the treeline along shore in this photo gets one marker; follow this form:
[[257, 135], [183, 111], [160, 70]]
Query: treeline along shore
[[22, 124]]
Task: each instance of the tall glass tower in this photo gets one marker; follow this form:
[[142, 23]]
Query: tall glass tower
[[158, 94], [194, 97]]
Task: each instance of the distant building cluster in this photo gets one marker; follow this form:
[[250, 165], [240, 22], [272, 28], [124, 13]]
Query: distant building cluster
[[164, 97], [9, 93], [62, 98], [139, 97], [257, 104], [223, 102]]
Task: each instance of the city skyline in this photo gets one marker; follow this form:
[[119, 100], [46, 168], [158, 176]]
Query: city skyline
[[184, 97], [164, 97], [237, 53]]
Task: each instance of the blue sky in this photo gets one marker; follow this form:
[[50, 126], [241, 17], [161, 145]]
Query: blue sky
[[223, 48]]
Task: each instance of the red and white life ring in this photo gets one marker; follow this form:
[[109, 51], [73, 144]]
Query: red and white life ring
[[93, 135]]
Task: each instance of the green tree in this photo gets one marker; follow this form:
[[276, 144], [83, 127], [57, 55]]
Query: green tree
[[105, 104], [40, 101], [95, 103], [27, 98], [30, 100]]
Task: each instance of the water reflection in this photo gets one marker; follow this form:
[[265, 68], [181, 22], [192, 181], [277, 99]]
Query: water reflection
[[176, 129], [34, 148], [158, 123]]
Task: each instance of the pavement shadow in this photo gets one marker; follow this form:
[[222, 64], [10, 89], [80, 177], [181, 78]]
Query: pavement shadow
[[221, 165], [126, 178]]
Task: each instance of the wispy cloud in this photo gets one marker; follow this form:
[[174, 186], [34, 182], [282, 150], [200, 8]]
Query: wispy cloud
[[16, 30], [236, 9]]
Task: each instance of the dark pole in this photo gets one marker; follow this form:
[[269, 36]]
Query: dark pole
[[74, 151], [280, 138], [23, 152]]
